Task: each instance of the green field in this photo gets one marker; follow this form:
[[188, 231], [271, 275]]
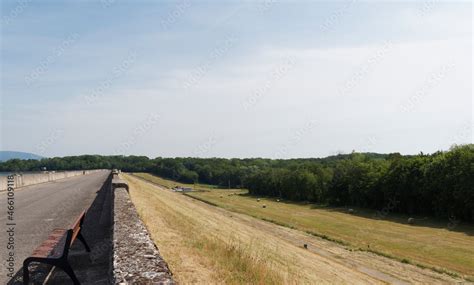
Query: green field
[[428, 243]]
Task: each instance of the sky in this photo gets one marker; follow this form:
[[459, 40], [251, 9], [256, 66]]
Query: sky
[[277, 79]]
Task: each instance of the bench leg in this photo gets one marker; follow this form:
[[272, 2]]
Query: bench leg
[[26, 263], [61, 263], [83, 240], [26, 274], [67, 268]]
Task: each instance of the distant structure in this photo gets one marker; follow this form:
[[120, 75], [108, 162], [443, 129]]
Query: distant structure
[[182, 189]]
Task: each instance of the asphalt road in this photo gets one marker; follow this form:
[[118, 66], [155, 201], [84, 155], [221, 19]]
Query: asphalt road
[[41, 208]]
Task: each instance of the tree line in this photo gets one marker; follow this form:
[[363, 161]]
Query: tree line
[[439, 184]]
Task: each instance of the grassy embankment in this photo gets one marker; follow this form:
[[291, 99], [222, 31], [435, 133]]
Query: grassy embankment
[[193, 254], [427, 244]]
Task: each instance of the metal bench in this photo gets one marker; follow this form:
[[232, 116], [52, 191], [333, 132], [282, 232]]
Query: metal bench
[[54, 250]]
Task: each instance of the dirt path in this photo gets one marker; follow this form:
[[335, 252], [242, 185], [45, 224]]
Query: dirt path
[[322, 262]]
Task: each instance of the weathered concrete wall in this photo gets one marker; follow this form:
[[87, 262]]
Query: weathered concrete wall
[[136, 258], [21, 180]]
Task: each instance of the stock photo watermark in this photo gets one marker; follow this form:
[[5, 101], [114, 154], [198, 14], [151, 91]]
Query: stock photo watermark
[[137, 132], [53, 137], [295, 138], [332, 20], [174, 15], [367, 144], [118, 71], [52, 58], [203, 69], [266, 5], [107, 3], [465, 133], [379, 215], [60, 210], [433, 80], [205, 147], [366, 68], [19, 9], [427, 7], [10, 226], [280, 71]]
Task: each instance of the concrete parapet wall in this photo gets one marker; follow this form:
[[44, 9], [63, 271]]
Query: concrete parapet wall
[[136, 260], [119, 183], [21, 180]]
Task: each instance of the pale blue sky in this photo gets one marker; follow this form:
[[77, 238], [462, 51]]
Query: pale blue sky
[[235, 79]]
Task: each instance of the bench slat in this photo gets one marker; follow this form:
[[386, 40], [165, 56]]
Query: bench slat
[[74, 234], [53, 245], [78, 221]]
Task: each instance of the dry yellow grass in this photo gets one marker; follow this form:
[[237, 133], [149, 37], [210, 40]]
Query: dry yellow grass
[[206, 244], [193, 254], [428, 243]]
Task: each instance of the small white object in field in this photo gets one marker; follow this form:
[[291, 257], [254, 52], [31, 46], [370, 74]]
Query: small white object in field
[[411, 221], [278, 200], [258, 199]]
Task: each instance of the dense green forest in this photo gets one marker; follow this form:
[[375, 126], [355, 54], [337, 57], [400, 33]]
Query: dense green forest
[[439, 184]]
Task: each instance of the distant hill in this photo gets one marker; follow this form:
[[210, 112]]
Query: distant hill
[[7, 155]]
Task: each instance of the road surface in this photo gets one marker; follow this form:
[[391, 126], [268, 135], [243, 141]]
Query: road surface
[[41, 208]]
